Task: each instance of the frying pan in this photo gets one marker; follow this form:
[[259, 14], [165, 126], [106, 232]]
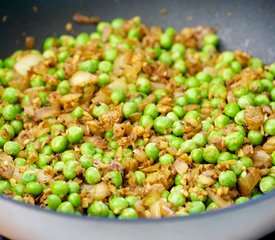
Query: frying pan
[[245, 25]]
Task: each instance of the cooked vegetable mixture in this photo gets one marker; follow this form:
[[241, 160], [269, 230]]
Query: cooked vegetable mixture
[[135, 121]]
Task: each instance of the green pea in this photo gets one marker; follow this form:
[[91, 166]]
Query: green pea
[[159, 94], [133, 34], [224, 156], [118, 204], [4, 185], [117, 97], [181, 101], [166, 58], [34, 188], [193, 95], [151, 110], [74, 134], [64, 87], [176, 198], [255, 63], [10, 95], [188, 145], [197, 155], [143, 85], [89, 65], [60, 74], [267, 184], [211, 39], [234, 141], [19, 189], [203, 77], [116, 178], [211, 154], [59, 188], [247, 162], [191, 116], [221, 121], [179, 111], [227, 178], [100, 26], [269, 127], [87, 148], [240, 117], [128, 213], [59, 144], [78, 112], [227, 57], [180, 66], [241, 200], [166, 159], [9, 112], [69, 169], [43, 160], [100, 109], [20, 161], [128, 109], [73, 187], [98, 208], [199, 139], [82, 39], [211, 206], [196, 207], [53, 201], [74, 199], [236, 66], [65, 207], [105, 66], [152, 151], [162, 124], [166, 41], [92, 175], [50, 42], [110, 54], [178, 129], [245, 101], [231, 109], [255, 137], [192, 82], [12, 148], [117, 22]]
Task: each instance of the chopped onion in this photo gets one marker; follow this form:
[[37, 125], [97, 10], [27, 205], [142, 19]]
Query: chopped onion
[[269, 146], [217, 199], [119, 84], [25, 63], [6, 166], [181, 167], [46, 112], [81, 78], [247, 183], [70, 97]]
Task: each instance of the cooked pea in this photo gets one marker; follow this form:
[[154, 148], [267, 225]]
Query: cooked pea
[[267, 184], [234, 141], [196, 207], [92, 175], [255, 137], [269, 126], [74, 134], [162, 124], [166, 159], [227, 178], [98, 208], [65, 207], [59, 144]]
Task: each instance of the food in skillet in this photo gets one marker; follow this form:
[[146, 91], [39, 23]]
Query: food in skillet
[[132, 121]]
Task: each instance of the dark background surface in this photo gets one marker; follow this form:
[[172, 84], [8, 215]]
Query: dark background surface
[[244, 25]]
